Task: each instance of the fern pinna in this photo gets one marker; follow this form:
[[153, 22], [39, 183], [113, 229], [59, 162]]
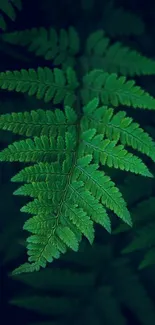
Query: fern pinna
[[68, 149], [8, 7]]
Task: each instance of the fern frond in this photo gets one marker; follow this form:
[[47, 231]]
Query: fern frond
[[119, 127], [39, 122], [40, 303], [140, 210], [90, 204], [8, 8], [145, 238], [114, 90], [102, 188], [37, 207], [139, 214], [49, 234], [58, 278], [148, 259], [108, 153], [99, 54], [108, 305], [61, 47], [70, 191], [131, 291], [44, 83], [125, 61], [41, 190], [26, 268], [117, 21], [74, 199], [114, 291], [97, 42], [3, 25], [41, 149], [40, 172]]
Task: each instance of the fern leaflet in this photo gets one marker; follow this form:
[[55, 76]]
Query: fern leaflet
[[114, 90], [60, 47], [44, 83]]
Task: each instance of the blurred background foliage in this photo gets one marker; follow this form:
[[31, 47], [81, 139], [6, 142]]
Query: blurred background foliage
[[113, 281]]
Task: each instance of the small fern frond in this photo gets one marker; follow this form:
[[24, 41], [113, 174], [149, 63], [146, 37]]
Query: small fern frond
[[99, 54], [39, 122], [149, 258], [108, 153], [26, 268], [90, 204], [145, 238], [44, 83], [8, 8], [74, 203], [61, 47], [109, 306], [40, 172], [97, 43], [41, 190], [140, 210], [119, 127], [131, 291], [103, 188], [114, 90], [41, 149], [3, 25], [37, 207], [125, 61], [120, 22]]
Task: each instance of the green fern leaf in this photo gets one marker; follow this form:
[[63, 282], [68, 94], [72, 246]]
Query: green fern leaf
[[42, 190], [3, 24], [148, 260], [71, 194], [26, 268], [39, 122], [8, 8], [72, 147], [40, 172], [126, 61], [109, 306], [144, 239], [131, 291], [92, 207], [99, 54], [37, 207], [60, 47], [41, 149], [114, 90], [68, 237], [39, 303], [44, 83], [75, 206], [119, 127], [107, 152], [39, 225], [104, 189], [117, 21], [42, 248]]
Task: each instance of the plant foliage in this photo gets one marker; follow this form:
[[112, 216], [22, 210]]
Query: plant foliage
[[70, 146], [8, 7]]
